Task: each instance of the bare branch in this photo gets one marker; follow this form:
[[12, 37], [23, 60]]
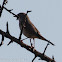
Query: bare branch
[[35, 52], [1, 8], [10, 12]]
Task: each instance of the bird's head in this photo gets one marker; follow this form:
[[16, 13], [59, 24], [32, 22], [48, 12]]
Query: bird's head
[[20, 16]]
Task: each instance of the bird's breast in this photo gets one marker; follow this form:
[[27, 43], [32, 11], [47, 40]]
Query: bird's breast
[[27, 31]]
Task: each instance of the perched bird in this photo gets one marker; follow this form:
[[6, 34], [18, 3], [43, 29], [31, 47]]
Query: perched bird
[[29, 30]]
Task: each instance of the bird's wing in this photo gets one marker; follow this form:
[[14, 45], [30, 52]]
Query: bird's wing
[[36, 30], [32, 26]]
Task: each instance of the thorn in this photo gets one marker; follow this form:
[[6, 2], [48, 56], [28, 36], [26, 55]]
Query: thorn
[[2, 38], [51, 43], [29, 11], [16, 17], [34, 58], [53, 57], [10, 42], [0, 10], [7, 28], [1, 43], [45, 48], [10, 10]]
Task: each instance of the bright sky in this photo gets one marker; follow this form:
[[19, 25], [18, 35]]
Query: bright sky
[[46, 15]]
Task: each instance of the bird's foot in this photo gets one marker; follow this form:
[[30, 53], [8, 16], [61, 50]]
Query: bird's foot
[[32, 48]]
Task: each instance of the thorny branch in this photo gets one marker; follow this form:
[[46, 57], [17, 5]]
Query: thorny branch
[[10, 11], [35, 52], [1, 8]]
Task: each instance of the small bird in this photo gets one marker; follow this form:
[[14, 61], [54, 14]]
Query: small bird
[[29, 30]]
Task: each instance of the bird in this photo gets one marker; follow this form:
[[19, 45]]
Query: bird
[[29, 30]]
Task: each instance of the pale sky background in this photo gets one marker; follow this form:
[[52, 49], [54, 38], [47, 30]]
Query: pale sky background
[[46, 15]]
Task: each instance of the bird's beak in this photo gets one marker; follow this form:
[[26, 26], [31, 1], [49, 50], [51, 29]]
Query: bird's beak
[[16, 16]]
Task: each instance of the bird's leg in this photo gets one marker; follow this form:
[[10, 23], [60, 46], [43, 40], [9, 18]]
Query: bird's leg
[[30, 43], [34, 42]]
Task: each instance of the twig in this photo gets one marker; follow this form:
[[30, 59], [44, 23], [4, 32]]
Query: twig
[[34, 58], [8, 33], [10, 12], [2, 40], [10, 42], [45, 48], [28, 12], [7, 28], [4, 3], [1, 43]]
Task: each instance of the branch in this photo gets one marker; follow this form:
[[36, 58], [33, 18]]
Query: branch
[[35, 52], [10, 11], [1, 8]]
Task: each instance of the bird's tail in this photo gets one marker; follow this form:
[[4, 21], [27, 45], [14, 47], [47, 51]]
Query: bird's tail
[[41, 37]]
